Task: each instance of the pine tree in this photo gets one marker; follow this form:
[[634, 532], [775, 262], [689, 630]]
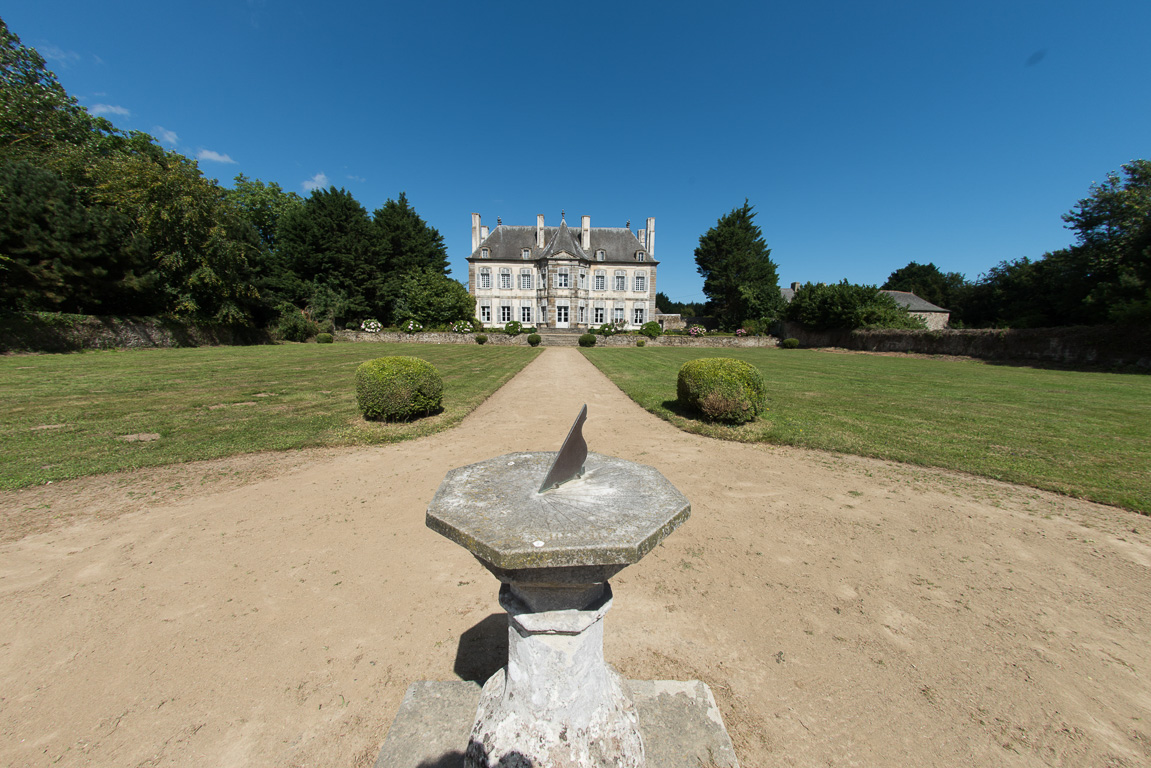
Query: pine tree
[[740, 280]]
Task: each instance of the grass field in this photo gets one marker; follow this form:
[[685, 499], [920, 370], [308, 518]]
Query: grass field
[[1083, 434], [71, 415]]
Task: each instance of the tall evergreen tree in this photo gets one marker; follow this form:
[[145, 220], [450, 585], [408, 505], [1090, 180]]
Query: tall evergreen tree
[[329, 258], [740, 280], [407, 245]]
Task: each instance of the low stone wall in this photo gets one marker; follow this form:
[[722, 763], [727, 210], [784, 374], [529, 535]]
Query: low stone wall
[[1078, 345], [53, 332], [500, 338]]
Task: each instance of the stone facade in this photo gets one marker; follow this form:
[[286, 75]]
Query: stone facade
[[559, 278]]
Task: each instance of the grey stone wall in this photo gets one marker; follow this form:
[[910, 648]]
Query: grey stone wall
[[1079, 345], [52, 332]]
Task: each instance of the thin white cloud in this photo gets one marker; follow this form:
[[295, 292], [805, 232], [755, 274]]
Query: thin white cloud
[[319, 181], [215, 157], [58, 55], [356, 178], [165, 136], [108, 109]]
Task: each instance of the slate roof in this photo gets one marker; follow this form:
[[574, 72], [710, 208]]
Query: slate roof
[[903, 298], [506, 242]]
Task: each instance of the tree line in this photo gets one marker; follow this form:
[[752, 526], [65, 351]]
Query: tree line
[[96, 220], [1104, 277]]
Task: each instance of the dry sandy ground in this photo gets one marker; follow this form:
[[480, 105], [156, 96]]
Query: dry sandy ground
[[272, 610]]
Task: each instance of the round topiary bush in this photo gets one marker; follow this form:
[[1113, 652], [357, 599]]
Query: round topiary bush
[[651, 329], [324, 338], [534, 339], [587, 340], [640, 342], [398, 388], [514, 328], [481, 338], [722, 388], [789, 343]]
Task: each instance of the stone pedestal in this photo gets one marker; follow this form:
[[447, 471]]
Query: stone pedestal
[[556, 703]]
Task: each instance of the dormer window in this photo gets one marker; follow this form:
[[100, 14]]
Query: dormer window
[[600, 255], [485, 253], [639, 255], [526, 253]]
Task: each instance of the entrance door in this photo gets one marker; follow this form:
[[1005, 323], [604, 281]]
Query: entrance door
[[561, 317]]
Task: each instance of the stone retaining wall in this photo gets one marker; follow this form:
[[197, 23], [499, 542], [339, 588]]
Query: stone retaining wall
[[1079, 345], [53, 332], [568, 339]]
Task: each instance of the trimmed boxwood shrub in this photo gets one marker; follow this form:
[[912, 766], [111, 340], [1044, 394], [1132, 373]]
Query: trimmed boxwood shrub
[[651, 329], [398, 388], [514, 328], [481, 338], [789, 343], [324, 338], [640, 342], [534, 339], [722, 389], [587, 340]]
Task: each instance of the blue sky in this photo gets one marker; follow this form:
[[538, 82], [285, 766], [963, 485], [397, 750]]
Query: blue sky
[[867, 135]]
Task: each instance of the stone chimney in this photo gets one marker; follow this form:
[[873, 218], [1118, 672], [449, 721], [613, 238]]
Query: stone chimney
[[475, 232], [795, 286], [649, 241], [540, 231], [483, 233], [641, 235], [585, 233]]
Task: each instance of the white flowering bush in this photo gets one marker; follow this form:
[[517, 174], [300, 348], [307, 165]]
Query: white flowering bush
[[696, 330], [411, 326], [371, 326]]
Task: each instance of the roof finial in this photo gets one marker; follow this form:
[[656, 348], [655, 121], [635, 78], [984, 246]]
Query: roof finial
[[629, 223], [562, 215], [499, 221]]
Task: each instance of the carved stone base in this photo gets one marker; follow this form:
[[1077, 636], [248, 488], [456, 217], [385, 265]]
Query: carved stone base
[[556, 703]]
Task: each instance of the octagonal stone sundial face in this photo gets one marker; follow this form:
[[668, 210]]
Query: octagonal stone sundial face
[[612, 515]]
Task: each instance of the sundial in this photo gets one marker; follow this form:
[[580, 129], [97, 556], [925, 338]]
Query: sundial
[[554, 527], [571, 509]]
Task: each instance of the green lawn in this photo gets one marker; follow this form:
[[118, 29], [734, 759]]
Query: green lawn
[[1082, 434], [67, 415]]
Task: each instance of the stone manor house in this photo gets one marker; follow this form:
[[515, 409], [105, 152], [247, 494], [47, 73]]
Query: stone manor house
[[561, 278]]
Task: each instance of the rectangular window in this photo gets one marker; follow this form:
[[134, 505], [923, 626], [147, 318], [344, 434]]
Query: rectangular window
[[620, 283], [637, 316], [485, 279], [561, 279], [583, 314], [617, 314], [561, 314], [505, 280], [597, 314], [583, 280], [505, 314], [485, 314], [525, 281], [525, 314], [526, 253], [600, 283], [641, 283]]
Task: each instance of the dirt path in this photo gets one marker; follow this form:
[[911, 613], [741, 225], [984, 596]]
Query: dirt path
[[844, 611]]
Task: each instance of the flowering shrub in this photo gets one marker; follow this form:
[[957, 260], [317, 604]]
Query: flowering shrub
[[740, 332], [514, 328], [411, 326], [462, 326], [371, 326], [697, 330]]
